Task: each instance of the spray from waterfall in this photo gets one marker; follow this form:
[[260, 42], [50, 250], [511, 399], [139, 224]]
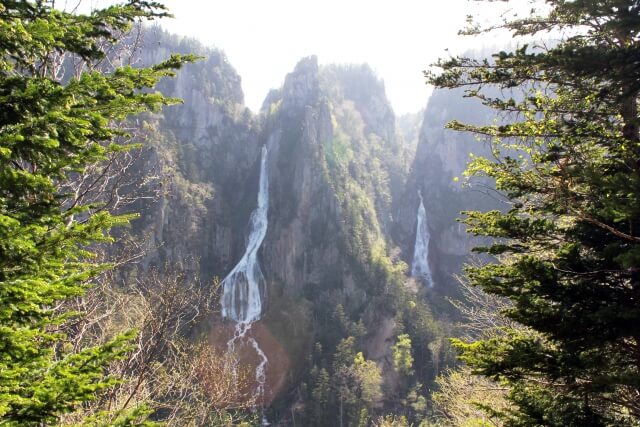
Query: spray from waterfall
[[420, 267], [244, 287]]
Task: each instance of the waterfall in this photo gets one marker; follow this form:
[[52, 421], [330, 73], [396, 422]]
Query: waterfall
[[244, 287], [420, 266]]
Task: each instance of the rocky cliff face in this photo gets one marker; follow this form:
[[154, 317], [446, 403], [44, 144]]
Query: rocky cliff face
[[320, 132], [296, 125], [437, 173], [206, 150], [345, 178], [341, 196]]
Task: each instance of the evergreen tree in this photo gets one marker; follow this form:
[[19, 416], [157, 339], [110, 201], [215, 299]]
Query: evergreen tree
[[402, 358], [50, 132], [567, 249]]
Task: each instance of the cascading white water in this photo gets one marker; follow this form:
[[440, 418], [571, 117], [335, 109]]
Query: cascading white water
[[420, 266], [243, 288]]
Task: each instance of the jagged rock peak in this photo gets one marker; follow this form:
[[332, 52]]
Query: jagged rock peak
[[301, 87], [213, 75], [359, 84], [272, 98]]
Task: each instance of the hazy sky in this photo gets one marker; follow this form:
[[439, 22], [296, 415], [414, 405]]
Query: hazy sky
[[264, 39]]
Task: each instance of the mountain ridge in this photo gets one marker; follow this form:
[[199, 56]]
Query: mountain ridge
[[339, 177]]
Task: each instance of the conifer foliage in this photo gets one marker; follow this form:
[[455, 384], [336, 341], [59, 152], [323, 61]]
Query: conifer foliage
[[566, 155], [51, 129]]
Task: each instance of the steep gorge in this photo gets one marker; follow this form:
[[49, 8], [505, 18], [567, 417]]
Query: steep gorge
[[437, 177], [341, 218]]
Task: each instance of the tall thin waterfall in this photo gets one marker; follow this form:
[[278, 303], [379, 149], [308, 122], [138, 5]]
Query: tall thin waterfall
[[420, 266], [244, 287]]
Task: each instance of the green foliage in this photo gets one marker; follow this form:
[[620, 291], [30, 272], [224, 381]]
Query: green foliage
[[392, 421], [138, 417], [567, 156], [361, 185], [464, 399], [402, 358], [338, 153], [369, 378], [356, 382], [345, 392], [49, 134]]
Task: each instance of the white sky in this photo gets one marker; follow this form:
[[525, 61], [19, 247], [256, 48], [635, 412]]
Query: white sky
[[264, 39]]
